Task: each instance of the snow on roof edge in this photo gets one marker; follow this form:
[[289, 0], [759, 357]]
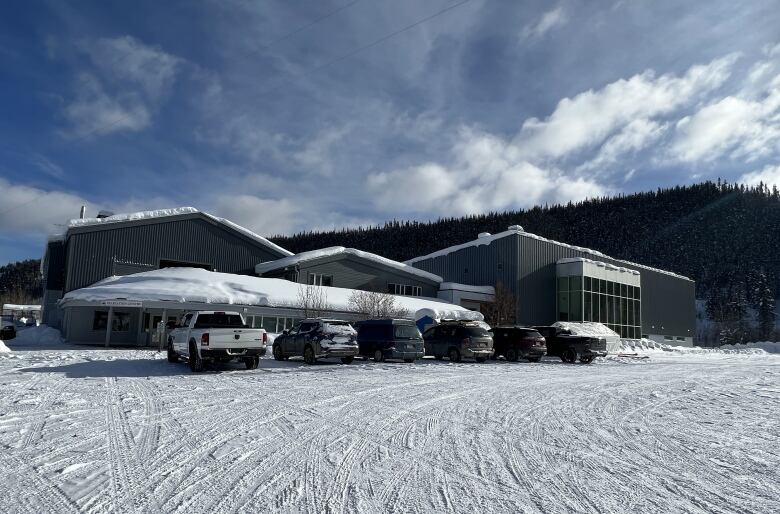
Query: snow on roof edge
[[489, 239], [163, 213], [340, 250]]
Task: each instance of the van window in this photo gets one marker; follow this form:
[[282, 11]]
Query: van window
[[406, 332], [476, 332]]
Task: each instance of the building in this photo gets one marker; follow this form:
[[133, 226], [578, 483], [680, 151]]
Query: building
[[93, 249], [346, 267], [552, 281]]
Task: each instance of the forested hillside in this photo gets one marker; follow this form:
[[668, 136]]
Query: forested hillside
[[20, 282]]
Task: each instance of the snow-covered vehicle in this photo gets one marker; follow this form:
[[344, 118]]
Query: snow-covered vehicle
[[570, 347], [216, 336], [317, 338]]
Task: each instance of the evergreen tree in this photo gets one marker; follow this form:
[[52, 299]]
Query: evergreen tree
[[764, 305]]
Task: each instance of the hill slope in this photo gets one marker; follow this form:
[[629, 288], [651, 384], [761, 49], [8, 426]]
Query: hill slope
[[714, 233]]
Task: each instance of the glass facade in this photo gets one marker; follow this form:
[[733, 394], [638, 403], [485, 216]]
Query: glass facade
[[616, 305]]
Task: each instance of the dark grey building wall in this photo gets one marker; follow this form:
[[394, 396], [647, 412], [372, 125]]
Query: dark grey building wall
[[96, 252], [355, 273], [668, 302], [480, 265]]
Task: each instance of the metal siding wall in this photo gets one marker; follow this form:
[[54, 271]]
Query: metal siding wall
[[91, 253], [536, 304], [482, 262], [355, 274]]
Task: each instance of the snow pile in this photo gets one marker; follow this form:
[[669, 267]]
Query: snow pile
[[208, 287], [340, 250], [3, 347], [17, 307], [593, 329], [164, 213], [40, 335], [649, 346]]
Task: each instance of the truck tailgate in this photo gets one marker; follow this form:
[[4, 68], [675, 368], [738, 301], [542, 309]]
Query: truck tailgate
[[235, 338]]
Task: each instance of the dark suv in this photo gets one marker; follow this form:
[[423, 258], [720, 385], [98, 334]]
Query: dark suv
[[390, 339], [518, 343], [317, 338], [561, 343], [459, 340], [7, 328]]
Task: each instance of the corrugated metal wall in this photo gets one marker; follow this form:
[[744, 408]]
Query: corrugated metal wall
[[352, 273], [92, 251]]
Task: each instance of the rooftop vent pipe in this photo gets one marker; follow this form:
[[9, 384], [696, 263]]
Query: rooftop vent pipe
[[82, 212]]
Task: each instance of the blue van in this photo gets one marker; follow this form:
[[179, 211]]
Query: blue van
[[390, 339]]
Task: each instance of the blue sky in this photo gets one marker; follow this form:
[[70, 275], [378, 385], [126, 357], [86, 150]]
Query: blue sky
[[247, 109]]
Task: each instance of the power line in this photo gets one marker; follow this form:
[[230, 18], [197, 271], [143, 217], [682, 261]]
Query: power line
[[312, 23]]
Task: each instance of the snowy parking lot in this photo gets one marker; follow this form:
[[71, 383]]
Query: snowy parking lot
[[123, 430]]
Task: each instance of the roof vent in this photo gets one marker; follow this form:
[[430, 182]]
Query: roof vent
[[484, 234], [105, 214], [518, 228]]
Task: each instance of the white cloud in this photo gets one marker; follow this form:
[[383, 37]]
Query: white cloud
[[264, 216], [590, 117], [769, 175], [29, 209], [487, 173], [125, 84], [551, 19], [744, 126], [47, 166], [635, 136]]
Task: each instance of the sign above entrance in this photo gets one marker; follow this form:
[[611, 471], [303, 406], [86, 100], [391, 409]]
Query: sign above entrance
[[120, 303]]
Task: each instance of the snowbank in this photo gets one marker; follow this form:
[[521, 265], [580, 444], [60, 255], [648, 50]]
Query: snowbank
[[40, 335], [340, 250], [3, 347], [649, 346], [209, 287]]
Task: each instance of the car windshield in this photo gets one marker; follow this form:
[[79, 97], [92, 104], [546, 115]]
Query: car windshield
[[219, 320], [406, 332]]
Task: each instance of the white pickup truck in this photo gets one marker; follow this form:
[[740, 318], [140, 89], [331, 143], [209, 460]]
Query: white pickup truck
[[216, 336]]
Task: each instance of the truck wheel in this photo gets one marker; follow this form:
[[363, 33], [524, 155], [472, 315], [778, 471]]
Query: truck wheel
[[308, 355], [534, 359], [278, 353], [252, 362], [196, 362], [408, 361], [586, 359], [347, 360], [454, 355], [379, 356], [172, 356], [480, 359], [511, 355], [570, 356]]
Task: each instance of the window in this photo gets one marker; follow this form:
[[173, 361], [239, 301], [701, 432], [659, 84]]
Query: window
[[587, 284], [120, 322], [219, 320], [291, 275], [257, 322], [404, 289], [100, 320], [318, 279], [269, 324], [680, 338], [668, 338]]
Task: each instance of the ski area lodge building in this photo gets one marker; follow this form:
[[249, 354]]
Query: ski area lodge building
[[112, 279]]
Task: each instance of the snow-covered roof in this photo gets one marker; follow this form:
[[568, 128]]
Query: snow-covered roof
[[606, 265], [445, 286], [518, 230], [292, 260], [165, 213], [186, 285]]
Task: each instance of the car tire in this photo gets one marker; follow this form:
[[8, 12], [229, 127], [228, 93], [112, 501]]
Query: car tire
[[586, 359], [534, 359], [277, 351], [439, 357], [252, 362], [511, 355], [172, 355], [480, 359], [570, 356], [308, 355], [347, 360], [408, 361], [379, 356], [195, 360], [454, 355]]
